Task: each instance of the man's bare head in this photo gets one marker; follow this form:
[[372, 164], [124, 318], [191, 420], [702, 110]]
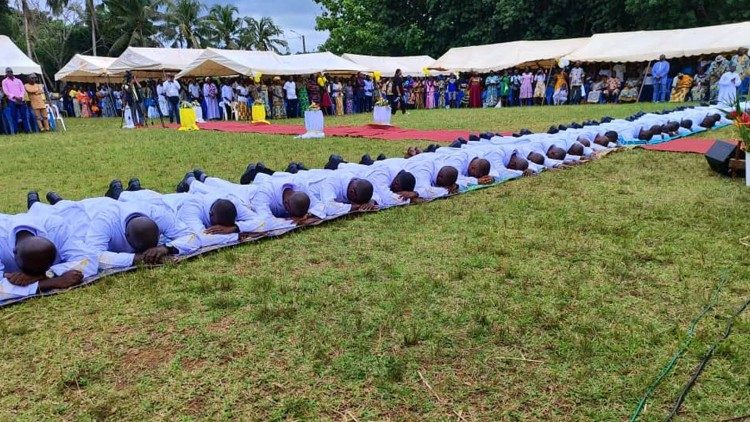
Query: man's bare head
[[584, 141], [446, 177], [518, 163], [536, 158], [297, 204], [142, 233], [555, 153], [403, 182], [223, 213], [35, 255], [686, 123], [478, 168], [645, 134], [359, 191], [576, 149]]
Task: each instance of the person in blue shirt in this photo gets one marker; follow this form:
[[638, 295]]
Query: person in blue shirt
[[660, 73]]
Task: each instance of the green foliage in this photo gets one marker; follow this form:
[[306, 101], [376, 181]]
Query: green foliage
[[397, 27]]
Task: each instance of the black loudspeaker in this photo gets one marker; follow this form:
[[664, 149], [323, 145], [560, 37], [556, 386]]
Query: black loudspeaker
[[719, 155]]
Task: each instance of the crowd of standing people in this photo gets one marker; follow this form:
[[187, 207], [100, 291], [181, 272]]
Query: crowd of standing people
[[23, 103]]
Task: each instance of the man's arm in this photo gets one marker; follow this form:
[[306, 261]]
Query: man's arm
[[74, 254], [97, 241], [190, 215]]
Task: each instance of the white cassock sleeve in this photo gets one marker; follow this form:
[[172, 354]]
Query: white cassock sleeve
[[332, 208], [179, 235], [73, 253], [97, 240], [423, 175], [250, 222], [9, 290], [190, 214], [261, 204], [464, 182], [317, 207]]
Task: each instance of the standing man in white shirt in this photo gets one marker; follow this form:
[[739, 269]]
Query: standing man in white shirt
[[194, 91], [172, 92], [576, 82], [292, 103], [227, 97]]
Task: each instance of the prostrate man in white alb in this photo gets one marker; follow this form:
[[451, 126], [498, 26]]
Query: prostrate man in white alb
[[506, 162], [338, 192], [281, 202], [123, 234], [40, 252], [432, 179], [172, 92], [218, 219], [391, 186]]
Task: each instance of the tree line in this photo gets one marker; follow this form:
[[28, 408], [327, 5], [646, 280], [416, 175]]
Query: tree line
[[413, 27], [52, 31]]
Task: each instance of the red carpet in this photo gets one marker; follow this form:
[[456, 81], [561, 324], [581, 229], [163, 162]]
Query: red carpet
[[389, 133], [688, 145]]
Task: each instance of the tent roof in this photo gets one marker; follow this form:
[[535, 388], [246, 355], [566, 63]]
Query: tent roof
[[409, 65], [641, 46], [82, 68], [11, 56], [492, 57], [154, 61], [302, 64], [217, 62]]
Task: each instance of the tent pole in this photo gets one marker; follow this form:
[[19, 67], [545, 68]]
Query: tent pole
[[549, 76], [643, 81]]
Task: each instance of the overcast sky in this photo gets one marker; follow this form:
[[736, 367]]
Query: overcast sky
[[295, 15]]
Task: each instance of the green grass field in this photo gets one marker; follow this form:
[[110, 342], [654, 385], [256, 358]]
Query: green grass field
[[556, 297]]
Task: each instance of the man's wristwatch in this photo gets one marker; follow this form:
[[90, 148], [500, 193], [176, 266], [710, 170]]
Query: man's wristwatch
[[50, 274]]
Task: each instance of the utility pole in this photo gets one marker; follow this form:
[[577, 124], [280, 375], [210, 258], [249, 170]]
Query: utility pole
[[304, 44]]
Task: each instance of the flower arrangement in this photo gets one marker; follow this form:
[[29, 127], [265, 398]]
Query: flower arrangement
[[313, 107], [259, 101], [741, 120], [188, 104], [382, 102]]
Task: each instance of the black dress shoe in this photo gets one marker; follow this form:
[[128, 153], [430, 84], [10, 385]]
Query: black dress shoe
[[516, 135], [525, 131], [462, 140], [301, 166], [31, 198], [292, 168], [199, 175], [431, 148], [381, 157], [114, 190], [263, 169], [333, 162], [552, 130], [53, 198], [184, 185], [366, 160], [473, 138], [562, 127], [249, 175], [455, 144], [134, 185]]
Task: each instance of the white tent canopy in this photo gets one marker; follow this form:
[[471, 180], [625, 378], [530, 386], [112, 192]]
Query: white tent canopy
[[409, 65], [641, 46], [216, 62], [12, 57], [302, 64], [154, 61], [82, 68], [493, 57]]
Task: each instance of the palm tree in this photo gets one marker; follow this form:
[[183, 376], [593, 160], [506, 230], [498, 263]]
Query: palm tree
[[225, 25], [183, 23], [262, 35], [134, 20]]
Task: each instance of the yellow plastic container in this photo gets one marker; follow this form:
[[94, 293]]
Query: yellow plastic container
[[187, 119]]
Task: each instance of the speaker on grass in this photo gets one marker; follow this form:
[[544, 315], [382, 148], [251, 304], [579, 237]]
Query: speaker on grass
[[719, 155]]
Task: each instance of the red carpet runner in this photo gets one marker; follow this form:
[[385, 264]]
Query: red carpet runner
[[388, 133], [688, 145]]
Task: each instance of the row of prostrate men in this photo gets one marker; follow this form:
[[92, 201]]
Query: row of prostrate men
[[57, 245]]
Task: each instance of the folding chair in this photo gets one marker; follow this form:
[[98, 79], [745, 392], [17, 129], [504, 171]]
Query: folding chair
[[53, 113]]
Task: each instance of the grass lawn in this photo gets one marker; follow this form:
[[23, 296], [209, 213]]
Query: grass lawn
[[553, 297]]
